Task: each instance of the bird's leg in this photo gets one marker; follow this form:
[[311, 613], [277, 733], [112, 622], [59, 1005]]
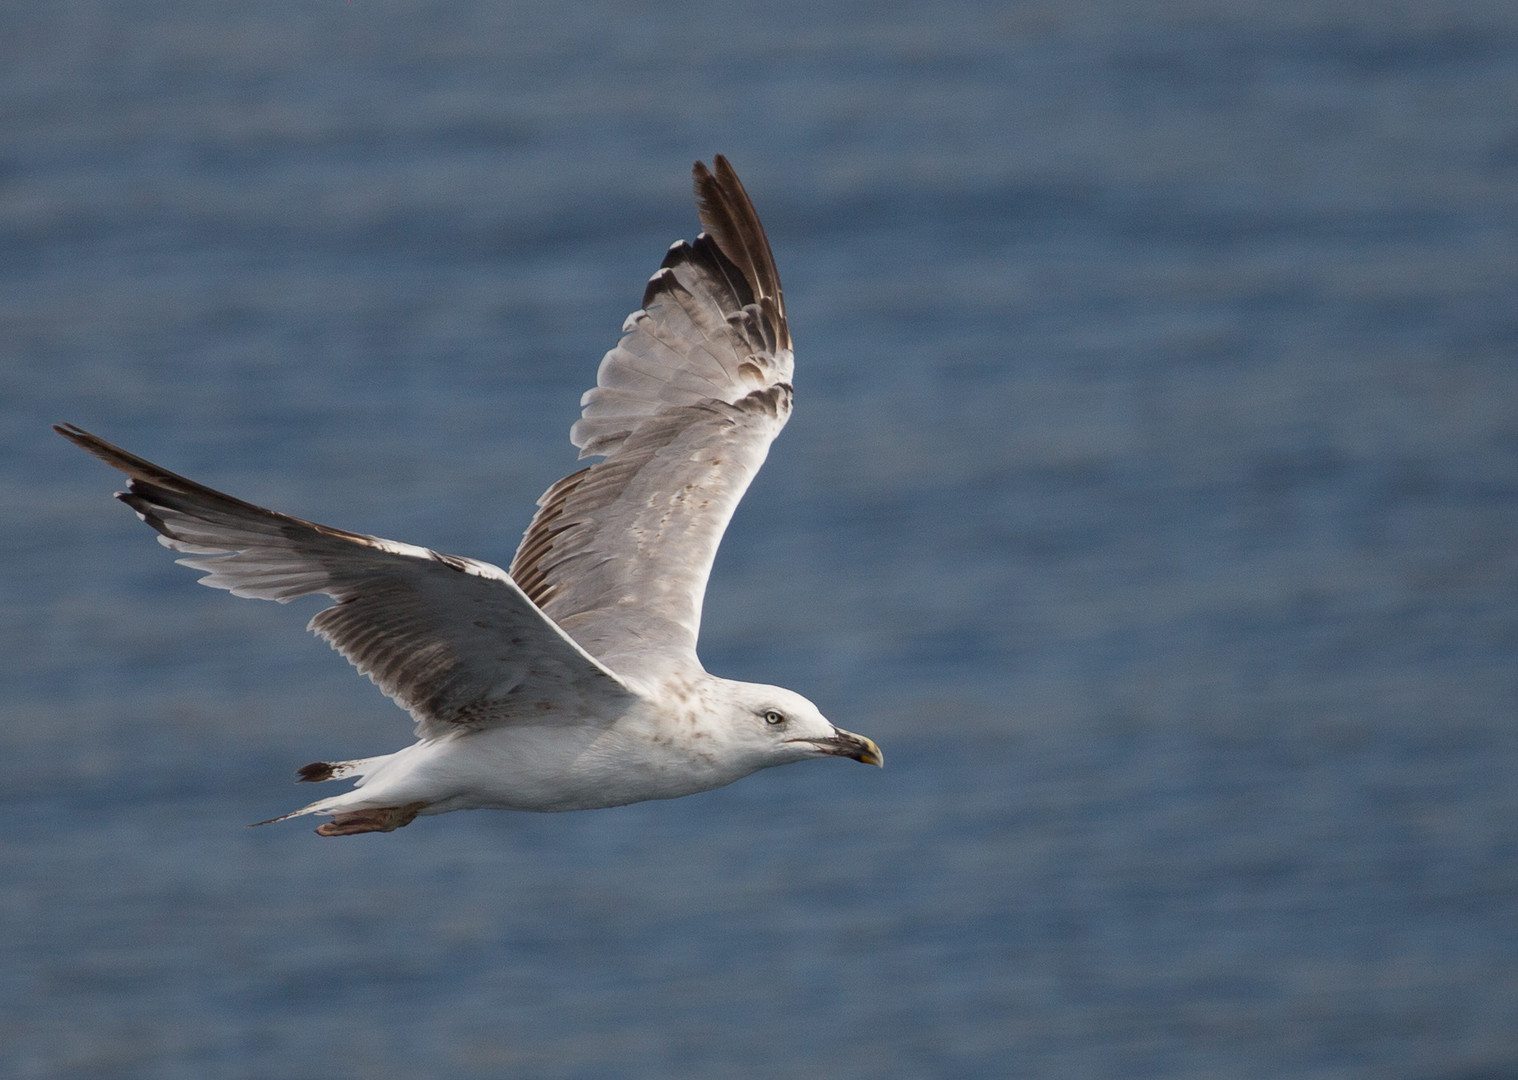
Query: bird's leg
[[383, 819]]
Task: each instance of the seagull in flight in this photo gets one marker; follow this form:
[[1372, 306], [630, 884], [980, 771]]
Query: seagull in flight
[[569, 682]]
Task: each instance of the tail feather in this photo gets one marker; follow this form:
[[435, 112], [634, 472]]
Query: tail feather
[[320, 806], [318, 771], [348, 822]]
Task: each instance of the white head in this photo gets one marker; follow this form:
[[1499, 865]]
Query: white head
[[770, 725]]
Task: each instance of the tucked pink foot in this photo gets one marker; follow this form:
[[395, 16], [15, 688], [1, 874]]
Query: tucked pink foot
[[383, 819]]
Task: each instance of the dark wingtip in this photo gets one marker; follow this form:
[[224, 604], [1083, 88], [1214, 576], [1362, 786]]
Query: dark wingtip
[[110, 453], [74, 434], [729, 218]]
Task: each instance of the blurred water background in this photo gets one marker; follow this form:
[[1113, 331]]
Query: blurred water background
[[1151, 496]]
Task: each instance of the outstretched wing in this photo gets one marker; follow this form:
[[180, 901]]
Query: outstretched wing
[[451, 640], [684, 411]]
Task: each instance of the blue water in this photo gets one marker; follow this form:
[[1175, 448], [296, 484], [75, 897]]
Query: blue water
[[1151, 496]]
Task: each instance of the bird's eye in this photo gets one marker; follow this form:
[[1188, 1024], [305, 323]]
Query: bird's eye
[[774, 716]]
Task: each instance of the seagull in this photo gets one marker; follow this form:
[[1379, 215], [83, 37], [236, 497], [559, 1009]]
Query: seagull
[[571, 681]]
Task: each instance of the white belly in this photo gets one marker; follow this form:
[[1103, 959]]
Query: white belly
[[548, 768]]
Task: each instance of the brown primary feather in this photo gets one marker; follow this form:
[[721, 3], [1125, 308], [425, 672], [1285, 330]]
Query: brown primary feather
[[728, 214]]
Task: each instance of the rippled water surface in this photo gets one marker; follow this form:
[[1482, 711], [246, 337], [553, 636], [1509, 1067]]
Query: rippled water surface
[[1151, 496]]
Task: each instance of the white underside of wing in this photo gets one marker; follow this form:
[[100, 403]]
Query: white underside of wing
[[452, 640], [684, 409]]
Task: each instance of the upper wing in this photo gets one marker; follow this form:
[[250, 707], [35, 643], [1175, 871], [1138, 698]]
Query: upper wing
[[452, 640], [684, 410]]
